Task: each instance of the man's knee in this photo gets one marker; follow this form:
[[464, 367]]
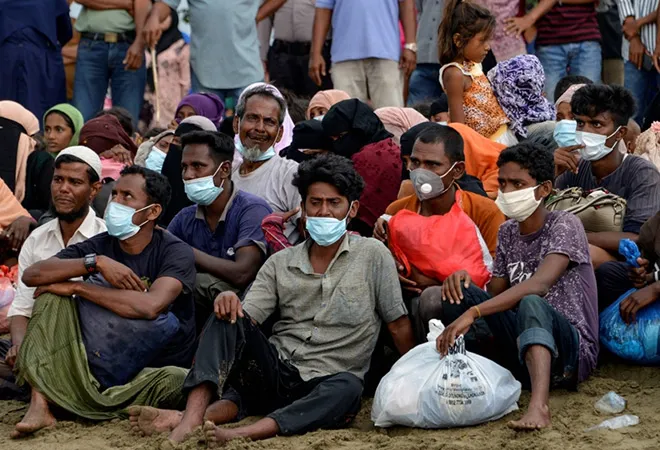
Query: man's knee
[[533, 313], [347, 385]]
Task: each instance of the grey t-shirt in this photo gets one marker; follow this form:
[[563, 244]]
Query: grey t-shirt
[[636, 180], [329, 323], [224, 46]]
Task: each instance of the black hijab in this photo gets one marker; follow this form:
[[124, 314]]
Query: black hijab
[[356, 125], [308, 134], [10, 134]]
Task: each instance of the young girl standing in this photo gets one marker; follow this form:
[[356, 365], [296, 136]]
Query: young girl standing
[[464, 40]]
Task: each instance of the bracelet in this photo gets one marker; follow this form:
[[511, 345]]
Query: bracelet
[[478, 311]]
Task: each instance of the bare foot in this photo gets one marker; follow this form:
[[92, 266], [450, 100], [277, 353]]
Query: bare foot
[[215, 436], [181, 432], [536, 418], [37, 417], [146, 420]]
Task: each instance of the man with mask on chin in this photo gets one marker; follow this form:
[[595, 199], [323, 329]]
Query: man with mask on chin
[[258, 126], [331, 293], [125, 327], [436, 163], [75, 183], [541, 308], [601, 115], [223, 227]]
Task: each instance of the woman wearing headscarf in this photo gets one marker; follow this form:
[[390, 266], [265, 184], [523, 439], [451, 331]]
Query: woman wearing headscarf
[[62, 125], [203, 104], [152, 152], [17, 125], [322, 101], [172, 166], [358, 134], [309, 139], [399, 120], [563, 103]]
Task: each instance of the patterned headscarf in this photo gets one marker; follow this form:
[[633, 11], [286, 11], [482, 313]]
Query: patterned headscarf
[[518, 84]]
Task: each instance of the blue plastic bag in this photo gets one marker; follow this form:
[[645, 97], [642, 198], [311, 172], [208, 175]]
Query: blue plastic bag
[[637, 342], [629, 250]]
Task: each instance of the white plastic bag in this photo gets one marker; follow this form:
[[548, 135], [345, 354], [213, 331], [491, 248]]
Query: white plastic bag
[[424, 390]]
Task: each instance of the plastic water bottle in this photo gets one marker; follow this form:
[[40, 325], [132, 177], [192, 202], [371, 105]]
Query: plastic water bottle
[[616, 423], [611, 403]]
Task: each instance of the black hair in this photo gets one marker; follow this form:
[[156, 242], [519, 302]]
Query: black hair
[[532, 157], [424, 108], [68, 159], [154, 132], [221, 147], [441, 105], [452, 140], [297, 105], [466, 19], [596, 99], [123, 116], [332, 169], [66, 118], [156, 186], [568, 81]]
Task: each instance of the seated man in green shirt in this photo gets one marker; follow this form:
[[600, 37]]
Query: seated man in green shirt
[[332, 293], [111, 50]]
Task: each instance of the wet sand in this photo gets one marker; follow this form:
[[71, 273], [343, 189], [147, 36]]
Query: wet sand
[[572, 413]]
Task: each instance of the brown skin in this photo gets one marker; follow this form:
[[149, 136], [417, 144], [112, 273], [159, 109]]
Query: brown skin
[[455, 82], [17, 232], [135, 53], [637, 301], [430, 157], [71, 191], [185, 111], [317, 111], [323, 200], [198, 163], [564, 111], [317, 64], [408, 19], [511, 178], [57, 132], [604, 244], [259, 127], [164, 143], [440, 117], [631, 136]]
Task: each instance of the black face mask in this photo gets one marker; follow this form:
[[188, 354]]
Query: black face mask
[[348, 145], [175, 148]]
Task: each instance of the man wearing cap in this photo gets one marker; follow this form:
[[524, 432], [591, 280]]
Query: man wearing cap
[[75, 183]]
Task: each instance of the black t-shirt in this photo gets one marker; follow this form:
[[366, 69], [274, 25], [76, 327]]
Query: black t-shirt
[[165, 256]]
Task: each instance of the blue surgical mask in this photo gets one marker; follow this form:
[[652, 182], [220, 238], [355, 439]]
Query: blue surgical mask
[[319, 118], [255, 154], [565, 133], [203, 191], [119, 220], [594, 145], [443, 123], [325, 231], [155, 159]]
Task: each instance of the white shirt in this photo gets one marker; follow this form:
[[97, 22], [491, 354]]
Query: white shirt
[[43, 243], [273, 182]]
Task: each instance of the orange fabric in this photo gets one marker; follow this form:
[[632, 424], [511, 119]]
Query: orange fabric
[[483, 212], [480, 157], [429, 244], [10, 207]]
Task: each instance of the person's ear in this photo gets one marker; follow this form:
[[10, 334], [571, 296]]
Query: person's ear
[[545, 189], [154, 212], [456, 38], [96, 188], [225, 169], [459, 170], [353, 209], [235, 124], [623, 132], [280, 135]]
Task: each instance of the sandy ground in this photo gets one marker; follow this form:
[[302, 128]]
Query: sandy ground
[[572, 413]]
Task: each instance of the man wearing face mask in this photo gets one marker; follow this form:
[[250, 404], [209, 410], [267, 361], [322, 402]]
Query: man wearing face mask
[[224, 225], [539, 318], [332, 294], [258, 125], [601, 121], [133, 311], [437, 161]]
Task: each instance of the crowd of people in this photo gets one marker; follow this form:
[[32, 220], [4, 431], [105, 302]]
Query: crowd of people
[[195, 245]]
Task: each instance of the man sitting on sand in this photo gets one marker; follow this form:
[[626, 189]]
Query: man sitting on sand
[[223, 227], [541, 307], [331, 293], [93, 348]]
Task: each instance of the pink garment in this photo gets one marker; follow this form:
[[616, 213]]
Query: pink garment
[[110, 168], [504, 46], [325, 99], [399, 120], [16, 112]]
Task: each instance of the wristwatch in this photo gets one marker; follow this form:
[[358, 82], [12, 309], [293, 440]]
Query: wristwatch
[[90, 263], [412, 47]]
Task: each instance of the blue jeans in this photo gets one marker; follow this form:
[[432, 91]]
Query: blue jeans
[[228, 96], [580, 58], [98, 63], [424, 84], [644, 85]]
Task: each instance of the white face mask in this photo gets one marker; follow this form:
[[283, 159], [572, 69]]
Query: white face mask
[[518, 205], [594, 145]]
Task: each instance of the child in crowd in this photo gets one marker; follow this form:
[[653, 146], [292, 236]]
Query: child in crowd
[[464, 36], [440, 110], [541, 305]]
